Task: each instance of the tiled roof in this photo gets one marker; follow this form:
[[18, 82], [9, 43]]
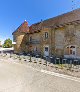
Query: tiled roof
[[61, 19], [64, 18], [35, 27], [22, 28]]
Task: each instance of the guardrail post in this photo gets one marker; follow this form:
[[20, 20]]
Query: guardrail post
[[70, 65]]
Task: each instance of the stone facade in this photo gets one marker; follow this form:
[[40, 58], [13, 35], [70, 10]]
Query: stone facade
[[20, 37], [59, 36]]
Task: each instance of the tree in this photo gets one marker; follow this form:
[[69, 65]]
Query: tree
[[7, 43]]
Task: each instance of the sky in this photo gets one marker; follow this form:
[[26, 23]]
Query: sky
[[15, 12]]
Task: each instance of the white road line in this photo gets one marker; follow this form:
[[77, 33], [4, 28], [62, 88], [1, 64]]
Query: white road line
[[54, 74], [57, 74], [62, 75]]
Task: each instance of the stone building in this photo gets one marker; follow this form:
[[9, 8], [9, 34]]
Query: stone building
[[19, 36], [58, 36]]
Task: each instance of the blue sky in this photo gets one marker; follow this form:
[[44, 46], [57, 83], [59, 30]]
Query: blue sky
[[14, 12]]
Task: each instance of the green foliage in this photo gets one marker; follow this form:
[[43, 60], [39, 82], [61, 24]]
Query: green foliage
[[7, 43]]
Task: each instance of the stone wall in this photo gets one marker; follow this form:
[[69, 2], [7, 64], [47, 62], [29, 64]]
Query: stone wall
[[34, 44], [20, 42], [63, 35]]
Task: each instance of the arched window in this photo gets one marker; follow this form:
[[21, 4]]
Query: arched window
[[46, 35], [72, 49]]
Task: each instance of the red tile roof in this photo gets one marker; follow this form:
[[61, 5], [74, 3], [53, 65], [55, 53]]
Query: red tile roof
[[35, 27], [61, 19], [22, 28]]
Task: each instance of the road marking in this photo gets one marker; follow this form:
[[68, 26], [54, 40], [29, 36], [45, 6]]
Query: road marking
[[61, 75], [57, 74], [53, 73]]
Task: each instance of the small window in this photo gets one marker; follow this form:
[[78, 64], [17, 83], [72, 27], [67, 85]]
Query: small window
[[73, 52], [70, 51], [36, 48], [46, 48], [14, 38], [46, 35], [30, 38]]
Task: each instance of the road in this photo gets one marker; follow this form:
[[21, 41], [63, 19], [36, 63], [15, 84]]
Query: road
[[16, 77]]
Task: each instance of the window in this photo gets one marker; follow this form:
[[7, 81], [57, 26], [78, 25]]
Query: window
[[46, 35], [36, 48], [46, 48], [72, 50], [30, 38], [14, 38]]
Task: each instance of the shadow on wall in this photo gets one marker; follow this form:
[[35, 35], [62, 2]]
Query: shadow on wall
[[23, 48]]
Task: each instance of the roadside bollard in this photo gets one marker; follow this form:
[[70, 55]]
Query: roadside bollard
[[19, 55], [20, 59], [46, 60], [51, 59], [64, 62], [76, 63], [30, 59], [61, 63], [41, 58], [57, 62], [10, 55], [37, 58], [70, 64]]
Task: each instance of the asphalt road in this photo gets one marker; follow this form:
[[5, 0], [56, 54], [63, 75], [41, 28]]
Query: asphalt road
[[21, 78]]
